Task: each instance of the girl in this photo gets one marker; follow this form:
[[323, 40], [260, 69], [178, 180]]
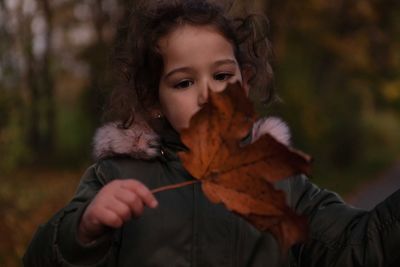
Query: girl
[[173, 55]]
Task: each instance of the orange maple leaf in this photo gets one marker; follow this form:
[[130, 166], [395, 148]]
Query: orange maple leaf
[[241, 176]]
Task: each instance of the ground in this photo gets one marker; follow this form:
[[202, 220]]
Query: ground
[[28, 198]]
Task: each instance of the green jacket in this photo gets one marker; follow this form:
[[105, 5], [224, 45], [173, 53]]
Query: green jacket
[[187, 230]]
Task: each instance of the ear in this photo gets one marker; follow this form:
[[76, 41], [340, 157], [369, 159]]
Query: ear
[[156, 112]]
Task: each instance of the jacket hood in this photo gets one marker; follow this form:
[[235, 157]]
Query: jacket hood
[[140, 141]]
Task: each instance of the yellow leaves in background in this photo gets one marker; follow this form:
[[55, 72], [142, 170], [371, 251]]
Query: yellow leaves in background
[[353, 51], [391, 91]]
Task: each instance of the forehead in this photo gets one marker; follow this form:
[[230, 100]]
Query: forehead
[[189, 42]]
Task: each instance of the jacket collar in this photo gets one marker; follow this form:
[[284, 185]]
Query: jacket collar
[[142, 141]]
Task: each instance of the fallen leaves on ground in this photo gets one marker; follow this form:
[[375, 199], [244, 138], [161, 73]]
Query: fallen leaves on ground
[[28, 198]]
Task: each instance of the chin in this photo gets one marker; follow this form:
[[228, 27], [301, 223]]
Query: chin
[[181, 127]]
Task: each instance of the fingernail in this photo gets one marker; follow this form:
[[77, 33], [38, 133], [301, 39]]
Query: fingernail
[[154, 203]]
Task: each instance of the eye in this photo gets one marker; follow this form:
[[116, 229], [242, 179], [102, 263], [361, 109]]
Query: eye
[[223, 76], [183, 84]]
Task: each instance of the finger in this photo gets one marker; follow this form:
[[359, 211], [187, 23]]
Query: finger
[[121, 209], [111, 219], [142, 191], [90, 225], [132, 200], [137, 208]]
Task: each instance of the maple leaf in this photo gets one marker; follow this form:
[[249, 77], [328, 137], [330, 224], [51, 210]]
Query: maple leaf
[[242, 176]]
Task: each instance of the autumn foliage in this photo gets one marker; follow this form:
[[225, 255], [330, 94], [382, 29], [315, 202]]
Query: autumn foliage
[[239, 175]]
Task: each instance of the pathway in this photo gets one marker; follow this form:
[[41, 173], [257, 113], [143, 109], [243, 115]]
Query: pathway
[[374, 192]]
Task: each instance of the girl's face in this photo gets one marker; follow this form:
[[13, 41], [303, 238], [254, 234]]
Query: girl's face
[[196, 59]]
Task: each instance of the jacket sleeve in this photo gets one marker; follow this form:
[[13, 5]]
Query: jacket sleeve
[[55, 243], [341, 235]]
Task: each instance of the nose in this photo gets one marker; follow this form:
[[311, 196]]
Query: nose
[[205, 88], [203, 95]]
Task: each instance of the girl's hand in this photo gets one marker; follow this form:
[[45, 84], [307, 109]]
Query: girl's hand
[[114, 204]]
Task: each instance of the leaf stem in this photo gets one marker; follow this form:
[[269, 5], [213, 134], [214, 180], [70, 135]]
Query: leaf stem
[[173, 186]]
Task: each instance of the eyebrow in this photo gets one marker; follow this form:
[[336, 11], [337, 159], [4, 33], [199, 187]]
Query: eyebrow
[[188, 69], [225, 62]]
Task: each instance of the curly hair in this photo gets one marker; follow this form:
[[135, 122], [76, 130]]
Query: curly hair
[[139, 64]]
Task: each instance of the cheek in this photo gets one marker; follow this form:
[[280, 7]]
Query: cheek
[[178, 108]]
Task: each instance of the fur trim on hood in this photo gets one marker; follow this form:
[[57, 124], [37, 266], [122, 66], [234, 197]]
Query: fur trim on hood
[[141, 142]]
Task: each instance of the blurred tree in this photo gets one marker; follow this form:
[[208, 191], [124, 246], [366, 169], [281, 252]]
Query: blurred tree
[[46, 140], [35, 68], [337, 71], [11, 97], [335, 61]]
